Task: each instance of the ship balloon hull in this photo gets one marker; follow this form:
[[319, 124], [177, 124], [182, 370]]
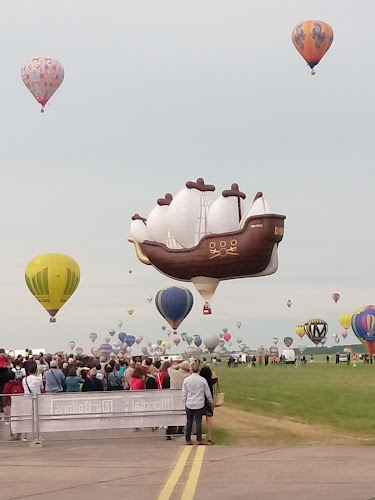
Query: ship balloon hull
[[250, 251]]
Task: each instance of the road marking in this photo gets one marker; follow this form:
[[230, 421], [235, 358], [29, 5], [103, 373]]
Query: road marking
[[192, 482], [175, 475]]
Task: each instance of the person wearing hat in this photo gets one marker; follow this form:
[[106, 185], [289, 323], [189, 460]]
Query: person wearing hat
[[54, 379]]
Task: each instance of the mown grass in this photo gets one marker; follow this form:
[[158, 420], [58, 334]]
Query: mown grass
[[337, 396]]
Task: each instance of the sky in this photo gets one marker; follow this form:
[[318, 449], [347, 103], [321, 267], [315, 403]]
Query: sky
[[159, 93]]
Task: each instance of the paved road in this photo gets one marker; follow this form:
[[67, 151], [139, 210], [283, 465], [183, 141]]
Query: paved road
[[128, 465]]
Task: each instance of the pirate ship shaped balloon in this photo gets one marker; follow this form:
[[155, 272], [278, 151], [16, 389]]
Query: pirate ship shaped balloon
[[193, 237]]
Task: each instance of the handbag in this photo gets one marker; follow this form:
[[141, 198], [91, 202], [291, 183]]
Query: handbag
[[219, 396]]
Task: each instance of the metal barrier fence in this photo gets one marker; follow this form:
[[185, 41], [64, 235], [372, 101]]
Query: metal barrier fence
[[37, 414]]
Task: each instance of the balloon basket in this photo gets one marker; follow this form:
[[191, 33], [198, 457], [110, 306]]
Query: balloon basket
[[42, 110], [207, 309], [313, 72], [52, 320]]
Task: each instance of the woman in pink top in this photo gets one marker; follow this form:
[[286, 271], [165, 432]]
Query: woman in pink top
[[137, 382]]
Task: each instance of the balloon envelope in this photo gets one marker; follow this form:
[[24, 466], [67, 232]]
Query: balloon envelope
[[119, 323], [300, 330], [363, 326], [130, 310], [95, 351], [288, 341], [197, 341], [122, 336], [111, 332], [211, 342], [289, 303], [336, 297], [316, 330], [312, 39], [42, 76], [149, 299], [174, 304], [52, 278], [227, 337], [130, 340], [275, 340], [189, 339], [107, 339], [345, 320], [72, 344], [139, 339], [239, 340], [93, 336], [79, 350], [176, 341], [105, 349], [239, 324]]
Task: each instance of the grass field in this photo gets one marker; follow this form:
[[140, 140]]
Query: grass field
[[336, 398]]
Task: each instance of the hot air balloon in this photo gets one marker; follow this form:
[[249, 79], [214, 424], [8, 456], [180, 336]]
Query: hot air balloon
[[108, 339], [337, 340], [122, 337], [184, 336], [93, 336], [72, 344], [230, 344], [345, 320], [52, 278], [119, 323], [149, 299], [323, 341], [42, 76], [312, 39], [363, 326], [301, 348], [289, 303], [227, 337], [130, 339], [163, 328], [221, 343], [139, 339], [344, 334], [149, 344], [105, 349], [211, 341], [273, 350], [300, 330], [130, 310], [275, 340], [176, 341], [174, 304], [168, 332], [239, 324], [288, 341], [336, 297], [117, 344], [316, 330], [111, 332], [197, 341], [130, 271], [189, 339], [79, 350], [95, 351], [212, 241], [145, 351]]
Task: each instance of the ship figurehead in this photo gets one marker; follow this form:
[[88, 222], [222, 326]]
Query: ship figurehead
[[192, 237]]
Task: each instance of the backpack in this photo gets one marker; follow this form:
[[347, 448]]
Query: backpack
[[19, 374], [17, 389]]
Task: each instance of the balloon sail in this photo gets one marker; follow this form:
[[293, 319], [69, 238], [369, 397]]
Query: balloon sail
[[312, 39], [316, 330], [288, 341], [300, 330], [214, 240], [42, 76], [52, 278], [363, 326], [174, 304], [93, 336]]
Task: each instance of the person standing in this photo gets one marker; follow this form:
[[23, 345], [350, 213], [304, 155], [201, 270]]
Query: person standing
[[327, 358], [195, 390], [177, 374], [209, 374], [54, 379]]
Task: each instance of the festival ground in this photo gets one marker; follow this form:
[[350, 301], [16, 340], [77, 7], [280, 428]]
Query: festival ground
[[129, 467]]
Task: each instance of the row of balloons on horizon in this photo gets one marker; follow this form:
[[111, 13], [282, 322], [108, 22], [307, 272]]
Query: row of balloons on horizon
[[44, 75]]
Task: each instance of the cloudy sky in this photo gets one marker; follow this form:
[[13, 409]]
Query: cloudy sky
[[158, 93]]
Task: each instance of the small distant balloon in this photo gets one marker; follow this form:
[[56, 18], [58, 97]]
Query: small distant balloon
[[239, 324], [149, 344], [79, 350], [344, 334], [159, 342], [225, 330], [130, 340], [130, 271], [221, 343], [95, 351], [139, 339], [93, 336], [107, 339], [345, 320], [289, 303], [119, 323], [227, 337], [197, 341], [72, 344], [145, 351], [275, 340], [176, 341], [288, 341], [168, 332], [336, 297], [130, 310], [239, 340], [149, 299], [163, 328], [189, 339], [111, 332]]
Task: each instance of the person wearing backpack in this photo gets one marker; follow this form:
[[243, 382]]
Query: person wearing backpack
[[116, 379], [54, 379], [19, 371]]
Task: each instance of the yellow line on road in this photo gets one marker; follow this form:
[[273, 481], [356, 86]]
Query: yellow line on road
[[192, 482], [175, 475]]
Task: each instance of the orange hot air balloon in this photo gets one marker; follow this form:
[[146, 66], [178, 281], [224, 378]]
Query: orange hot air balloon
[[312, 39]]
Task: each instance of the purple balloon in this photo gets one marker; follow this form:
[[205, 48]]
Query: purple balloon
[[106, 349], [336, 297]]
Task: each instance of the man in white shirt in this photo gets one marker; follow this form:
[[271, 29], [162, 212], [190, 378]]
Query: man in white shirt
[[32, 383], [195, 390]]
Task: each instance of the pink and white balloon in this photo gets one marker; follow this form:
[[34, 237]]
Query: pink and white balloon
[[42, 76]]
